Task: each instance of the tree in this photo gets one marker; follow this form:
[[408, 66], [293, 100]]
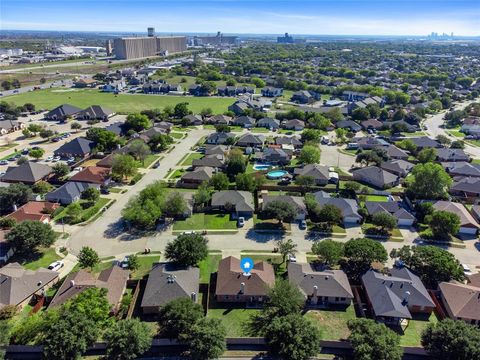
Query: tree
[[330, 214], [311, 135], [427, 155], [340, 133], [42, 187], [246, 182], [91, 194], [138, 122], [309, 155], [4, 337], [73, 212], [219, 181], [124, 166], [372, 340], [139, 150], [409, 145], [203, 194], [259, 83], [429, 181], [68, 337], [60, 170], [443, 224], [206, 339], [75, 125], [361, 253], [187, 249], [280, 210], [431, 263], [457, 144], [452, 340], [423, 211], [160, 142], [26, 236], [329, 251], [181, 110], [292, 337], [15, 194], [144, 210], [286, 247], [127, 339], [177, 317], [235, 163], [175, 205], [444, 140], [133, 262], [36, 153], [105, 140], [22, 160], [8, 311], [88, 258], [92, 304], [384, 220], [360, 114]]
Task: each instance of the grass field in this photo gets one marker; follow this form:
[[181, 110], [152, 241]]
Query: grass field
[[187, 161], [122, 103], [332, 324], [201, 221]]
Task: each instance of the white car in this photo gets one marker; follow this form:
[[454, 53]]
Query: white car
[[57, 265], [291, 258], [56, 158], [49, 158], [124, 263], [241, 221], [466, 269]]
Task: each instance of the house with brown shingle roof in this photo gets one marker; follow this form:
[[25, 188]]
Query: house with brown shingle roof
[[34, 211], [113, 279], [234, 286], [461, 301], [18, 285], [93, 174]]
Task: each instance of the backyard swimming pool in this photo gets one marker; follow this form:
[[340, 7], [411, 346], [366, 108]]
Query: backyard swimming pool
[[261, 166], [276, 174]]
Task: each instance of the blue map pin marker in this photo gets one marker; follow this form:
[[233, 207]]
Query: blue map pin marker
[[246, 264]]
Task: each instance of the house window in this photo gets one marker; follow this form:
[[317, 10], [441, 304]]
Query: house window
[[226, 297], [336, 299], [342, 299], [237, 297]]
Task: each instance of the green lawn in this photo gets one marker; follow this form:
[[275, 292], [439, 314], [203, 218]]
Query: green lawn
[[187, 161], [332, 323], [122, 103], [379, 198], [145, 265], [47, 256], [11, 155], [177, 135], [233, 319], [456, 133], [103, 265], [276, 260], [149, 160], [394, 233], [201, 221], [473, 142], [7, 146], [413, 333], [209, 266], [86, 214], [260, 130], [175, 174], [476, 161]]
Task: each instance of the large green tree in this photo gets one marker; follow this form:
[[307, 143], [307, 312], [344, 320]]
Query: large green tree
[[187, 249], [144, 210], [124, 166], [309, 154], [177, 317], [361, 253], [28, 235], [329, 251], [88, 258], [206, 339], [444, 224], [138, 122], [280, 210], [127, 339], [371, 340], [15, 194], [428, 181]]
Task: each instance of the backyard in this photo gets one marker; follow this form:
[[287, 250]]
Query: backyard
[[332, 323]]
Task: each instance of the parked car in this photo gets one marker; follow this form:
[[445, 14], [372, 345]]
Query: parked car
[[57, 265], [302, 225], [56, 158], [3, 162], [11, 158], [124, 263], [71, 160], [49, 158], [466, 269], [241, 221], [291, 258]]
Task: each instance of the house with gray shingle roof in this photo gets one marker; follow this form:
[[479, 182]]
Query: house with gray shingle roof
[[398, 167], [239, 203], [69, 192], [79, 147], [394, 152], [198, 175], [251, 140], [167, 282], [244, 121], [348, 207], [373, 175], [62, 112], [297, 201], [219, 138], [395, 297], [452, 155], [321, 288], [95, 112], [468, 186], [213, 161], [468, 225], [268, 123], [320, 173], [404, 218], [28, 173]]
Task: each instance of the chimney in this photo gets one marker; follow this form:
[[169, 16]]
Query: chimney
[[406, 297], [193, 296], [242, 288], [15, 207], [72, 283], [315, 290]]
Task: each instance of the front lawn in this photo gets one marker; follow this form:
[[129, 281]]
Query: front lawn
[[332, 323], [209, 266], [188, 160], [145, 265], [379, 198], [176, 135], [372, 230], [260, 130], [202, 221], [274, 259], [233, 319], [149, 160], [269, 224], [41, 260], [85, 215]]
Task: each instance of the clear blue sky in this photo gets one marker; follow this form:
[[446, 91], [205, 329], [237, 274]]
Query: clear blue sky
[[334, 17]]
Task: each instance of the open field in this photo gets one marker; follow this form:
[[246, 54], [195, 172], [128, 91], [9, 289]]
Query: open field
[[122, 103]]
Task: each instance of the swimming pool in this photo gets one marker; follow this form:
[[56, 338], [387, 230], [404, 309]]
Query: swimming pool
[[276, 174], [261, 166]]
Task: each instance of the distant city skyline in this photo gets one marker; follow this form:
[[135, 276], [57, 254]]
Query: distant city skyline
[[309, 17]]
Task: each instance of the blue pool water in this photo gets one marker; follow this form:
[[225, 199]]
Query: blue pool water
[[276, 174], [261, 166]]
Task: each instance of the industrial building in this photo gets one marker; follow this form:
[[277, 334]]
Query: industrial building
[[151, 45], [216, 40]]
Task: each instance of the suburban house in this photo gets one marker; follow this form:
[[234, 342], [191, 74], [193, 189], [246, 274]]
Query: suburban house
[[320, 287], [394, 152], [219, 120], [288, 141], [8, 126], [274, 155], [118, 128], [425, 142], [369, 143], [244, 121], [78, 148], [62, 112], [233, 285], [95, 112], [6, 250], [393, 298], [216, 150], [28, 173], [447, 155], [34, 210], [375, 176], [468, 225], [219, 138], [461, 301], [294, 124], [114, 86], [319, 173], [167, 282], [193, 119], [271, 91], [305, 97], [404, 218], [251, 140], [462, 169], [93, 174], [348, 207], [113, 279], [69, 192], [198, 176], [239, 106], [349, 125], [371, 124], [18, 285], [269, 123], [214, 161], [296, 201], [238, 203], [400, 168], [84, 83], [466, 187]]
